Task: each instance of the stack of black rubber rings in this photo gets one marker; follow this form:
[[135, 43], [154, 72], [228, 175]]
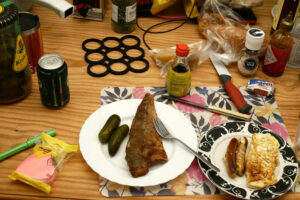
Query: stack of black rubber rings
[[107, 61]]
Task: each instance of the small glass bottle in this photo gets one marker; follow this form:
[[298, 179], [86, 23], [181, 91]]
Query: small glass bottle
[[279, 48], [123, 15], [249, 62], [178, 81]]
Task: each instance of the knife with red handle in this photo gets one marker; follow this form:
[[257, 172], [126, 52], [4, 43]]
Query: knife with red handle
[[233, 92]]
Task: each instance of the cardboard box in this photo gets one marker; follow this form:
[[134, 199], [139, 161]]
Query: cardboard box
[[96, 9]]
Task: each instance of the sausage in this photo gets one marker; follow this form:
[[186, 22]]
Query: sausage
[[240, 156], [230, 157]]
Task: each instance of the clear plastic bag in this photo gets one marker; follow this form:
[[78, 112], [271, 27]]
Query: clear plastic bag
[[164, 58], [225, 35], [219, 24], [40, 168]]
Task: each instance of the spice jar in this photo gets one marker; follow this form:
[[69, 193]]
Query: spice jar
[[123, 15], [248, 64], [279, 48], [179, 76], [15, 75]]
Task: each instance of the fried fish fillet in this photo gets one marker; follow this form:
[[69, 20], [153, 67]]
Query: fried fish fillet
[[144, 147], [262, 161]]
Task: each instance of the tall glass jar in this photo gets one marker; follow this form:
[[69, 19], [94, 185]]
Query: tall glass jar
[[15, 75], [123, 15]]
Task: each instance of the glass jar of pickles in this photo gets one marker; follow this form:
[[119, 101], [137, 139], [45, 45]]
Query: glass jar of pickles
[[15, 75]]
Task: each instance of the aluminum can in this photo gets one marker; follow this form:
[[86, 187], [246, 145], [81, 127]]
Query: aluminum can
[[52, 75]]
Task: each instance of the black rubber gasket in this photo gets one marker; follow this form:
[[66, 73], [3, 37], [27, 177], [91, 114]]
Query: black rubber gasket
[[134, 58], [114, 39], [90, 66], [138, 70], [92, 61], [112, 59], [119, 72], [91, 40], [138, 41]]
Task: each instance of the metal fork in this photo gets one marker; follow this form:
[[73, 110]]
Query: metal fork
[[163, 132]]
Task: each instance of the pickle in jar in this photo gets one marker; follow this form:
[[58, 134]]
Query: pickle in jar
[[109, 127]]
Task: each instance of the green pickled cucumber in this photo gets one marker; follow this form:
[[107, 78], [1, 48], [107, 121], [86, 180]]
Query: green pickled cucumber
[[109, 127], [116, 139]]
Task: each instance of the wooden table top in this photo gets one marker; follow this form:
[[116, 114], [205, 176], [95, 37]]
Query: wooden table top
[[29, 117]]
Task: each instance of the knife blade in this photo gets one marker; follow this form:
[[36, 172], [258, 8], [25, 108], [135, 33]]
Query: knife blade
[[233, 92], [229, 113]]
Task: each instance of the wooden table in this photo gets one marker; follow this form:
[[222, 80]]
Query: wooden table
[[29, 117]]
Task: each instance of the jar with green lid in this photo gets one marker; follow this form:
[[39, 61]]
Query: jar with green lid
[[15, 75], [123, 15]]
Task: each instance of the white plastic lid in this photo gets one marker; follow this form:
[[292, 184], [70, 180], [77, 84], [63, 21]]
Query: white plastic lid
[[254, 39]]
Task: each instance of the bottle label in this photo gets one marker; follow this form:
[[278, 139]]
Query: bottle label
[[270, 57], [130, 13], [276, 59], [21, 60], [114, 12], [178, 84], [250, 64]]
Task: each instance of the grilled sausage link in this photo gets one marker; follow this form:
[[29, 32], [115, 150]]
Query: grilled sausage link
[[230, 157], [240, 156]]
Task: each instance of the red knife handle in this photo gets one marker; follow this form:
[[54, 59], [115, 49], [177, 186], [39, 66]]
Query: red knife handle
[[237, 97]]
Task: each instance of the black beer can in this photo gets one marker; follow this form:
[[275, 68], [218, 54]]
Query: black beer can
[[52, 75]]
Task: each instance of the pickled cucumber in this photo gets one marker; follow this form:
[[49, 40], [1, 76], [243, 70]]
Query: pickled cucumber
[[116, 139], [109, 127]]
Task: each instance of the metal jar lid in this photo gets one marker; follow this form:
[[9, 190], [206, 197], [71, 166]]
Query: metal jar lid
[[8, 13], [29, 23], [51, 62]]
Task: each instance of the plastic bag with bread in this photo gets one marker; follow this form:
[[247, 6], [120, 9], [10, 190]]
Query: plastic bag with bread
[[164, 58], [219, 24]]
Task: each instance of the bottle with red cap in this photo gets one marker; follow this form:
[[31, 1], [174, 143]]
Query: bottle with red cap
[[178, 81]]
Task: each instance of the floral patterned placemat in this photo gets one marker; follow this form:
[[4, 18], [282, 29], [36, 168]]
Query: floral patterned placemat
[[193, 181]]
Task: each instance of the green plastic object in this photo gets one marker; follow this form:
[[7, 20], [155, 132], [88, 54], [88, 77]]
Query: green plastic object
[[29, 143]]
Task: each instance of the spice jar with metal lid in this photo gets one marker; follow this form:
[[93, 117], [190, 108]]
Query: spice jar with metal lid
[[15, 75]]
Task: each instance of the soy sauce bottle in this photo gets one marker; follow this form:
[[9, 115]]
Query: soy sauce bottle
[[178, 81]]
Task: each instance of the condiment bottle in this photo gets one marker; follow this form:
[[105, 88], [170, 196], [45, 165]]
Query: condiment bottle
[[15, 75], [123, 15], [279, 48], [178, 81], [249, 62], [283, 7], [294, 60]]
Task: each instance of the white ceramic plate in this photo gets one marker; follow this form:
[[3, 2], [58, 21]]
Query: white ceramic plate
[[213, 146], [115, 168]]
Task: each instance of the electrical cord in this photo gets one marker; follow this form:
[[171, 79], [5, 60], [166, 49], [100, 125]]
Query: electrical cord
[[148, 30]]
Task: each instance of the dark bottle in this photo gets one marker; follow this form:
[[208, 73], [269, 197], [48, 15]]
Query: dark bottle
[[178, 81], [15, 75], [279, 48], [123, 15]]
